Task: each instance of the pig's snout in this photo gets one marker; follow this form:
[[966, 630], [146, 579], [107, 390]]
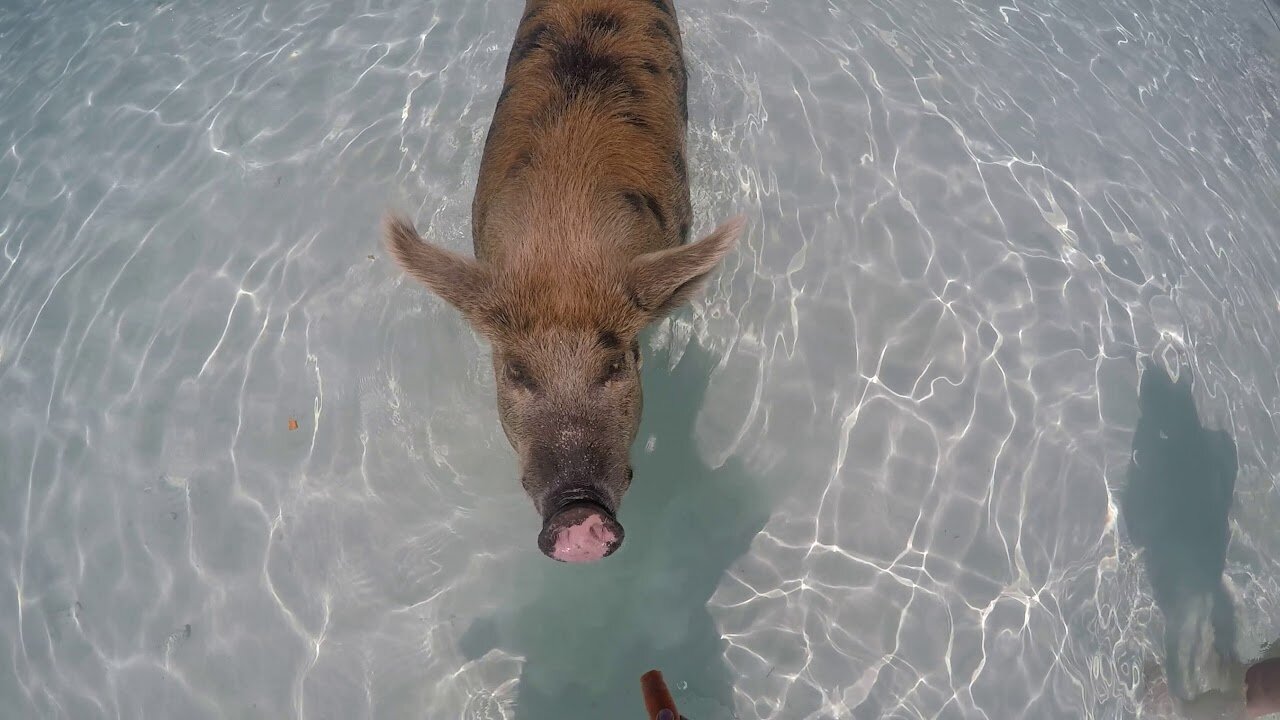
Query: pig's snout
[[577, 487], [579, 529]]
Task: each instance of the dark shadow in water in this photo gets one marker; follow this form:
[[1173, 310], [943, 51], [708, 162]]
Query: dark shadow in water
[[587, 633], [1175, 507]]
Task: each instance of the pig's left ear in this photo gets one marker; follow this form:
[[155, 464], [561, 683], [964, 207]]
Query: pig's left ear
[[660, 282], [460, 281]]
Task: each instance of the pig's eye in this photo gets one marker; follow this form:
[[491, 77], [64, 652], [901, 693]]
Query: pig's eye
[[617, 369], [518, 374]]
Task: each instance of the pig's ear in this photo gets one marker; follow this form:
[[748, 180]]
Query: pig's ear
[[662, 281], [460, 281]]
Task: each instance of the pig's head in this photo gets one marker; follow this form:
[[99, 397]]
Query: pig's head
[[566, 359]]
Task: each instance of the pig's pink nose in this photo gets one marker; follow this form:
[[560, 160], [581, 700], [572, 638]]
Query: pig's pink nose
[[588, 541], [582, 533]]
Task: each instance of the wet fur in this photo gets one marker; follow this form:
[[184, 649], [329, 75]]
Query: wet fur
[[589, 131]]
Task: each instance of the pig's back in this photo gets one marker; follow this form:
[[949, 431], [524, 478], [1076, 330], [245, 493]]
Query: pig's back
[[589, 131]]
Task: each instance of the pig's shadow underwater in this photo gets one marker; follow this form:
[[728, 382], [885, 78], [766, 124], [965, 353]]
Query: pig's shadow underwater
[[587, 633], [1175, 507]]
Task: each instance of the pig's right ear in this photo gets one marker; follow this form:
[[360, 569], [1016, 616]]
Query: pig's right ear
[[663, 280], [460, 281]]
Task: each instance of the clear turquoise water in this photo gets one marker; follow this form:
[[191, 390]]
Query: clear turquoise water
[[883, 459]]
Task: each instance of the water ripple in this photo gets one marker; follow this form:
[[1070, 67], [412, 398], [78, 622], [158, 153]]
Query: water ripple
[[971, 222]]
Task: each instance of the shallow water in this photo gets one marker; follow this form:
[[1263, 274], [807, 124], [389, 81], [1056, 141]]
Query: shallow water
[[882, 460]]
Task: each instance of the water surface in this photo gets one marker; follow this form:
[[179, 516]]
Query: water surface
[[882, 462]]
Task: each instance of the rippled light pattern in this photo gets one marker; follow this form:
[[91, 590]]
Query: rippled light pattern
[[881, 460]]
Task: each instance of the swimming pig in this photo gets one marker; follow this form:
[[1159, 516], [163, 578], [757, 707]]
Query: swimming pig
[[579, 225]]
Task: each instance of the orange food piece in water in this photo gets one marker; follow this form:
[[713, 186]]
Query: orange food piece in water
[[293, 424], [657, 697]]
